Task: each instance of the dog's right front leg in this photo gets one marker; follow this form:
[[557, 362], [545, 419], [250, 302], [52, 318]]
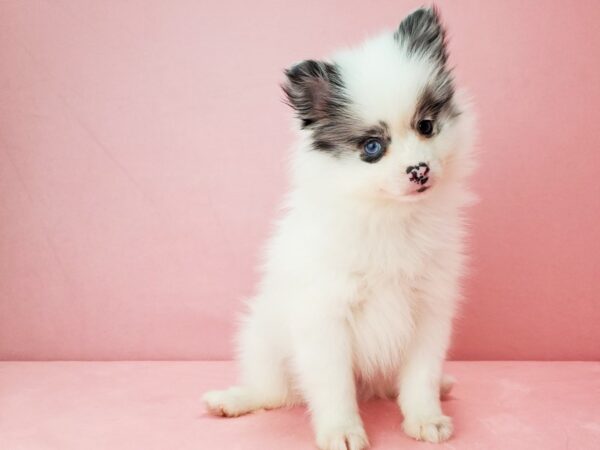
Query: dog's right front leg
[[323, 360]]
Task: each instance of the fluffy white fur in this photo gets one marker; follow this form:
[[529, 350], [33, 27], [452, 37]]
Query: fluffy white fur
[[361, 278]]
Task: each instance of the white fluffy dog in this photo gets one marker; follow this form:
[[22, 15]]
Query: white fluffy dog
[[361, 278]]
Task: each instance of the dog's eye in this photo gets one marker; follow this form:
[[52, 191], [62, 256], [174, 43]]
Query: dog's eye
[[372, 150], [373, 147], [425, 127]]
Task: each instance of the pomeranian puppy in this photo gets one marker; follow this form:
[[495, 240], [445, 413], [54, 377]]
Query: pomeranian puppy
[[361, 278]]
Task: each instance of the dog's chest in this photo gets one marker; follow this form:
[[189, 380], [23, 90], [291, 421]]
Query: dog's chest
[[381, 321], [382, 315]]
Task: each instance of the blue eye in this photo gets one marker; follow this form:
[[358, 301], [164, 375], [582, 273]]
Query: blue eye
[[373, 149]]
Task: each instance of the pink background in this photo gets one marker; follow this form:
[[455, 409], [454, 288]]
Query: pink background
[[141, 152]]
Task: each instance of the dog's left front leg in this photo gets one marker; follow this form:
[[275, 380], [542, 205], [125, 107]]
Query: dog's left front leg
[[419, 385], [323, 361]]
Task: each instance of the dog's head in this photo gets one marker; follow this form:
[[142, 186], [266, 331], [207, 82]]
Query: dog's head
[[383, 119]]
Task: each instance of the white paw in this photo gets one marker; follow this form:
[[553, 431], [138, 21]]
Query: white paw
[[344, 438], [229, 403], [431, 429]]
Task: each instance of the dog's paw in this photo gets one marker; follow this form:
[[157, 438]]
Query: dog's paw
[[431, 429], [232, 402], [344, 438]]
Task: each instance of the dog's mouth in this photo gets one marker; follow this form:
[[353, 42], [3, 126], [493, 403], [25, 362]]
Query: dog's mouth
[[417, 194], [413, 195]]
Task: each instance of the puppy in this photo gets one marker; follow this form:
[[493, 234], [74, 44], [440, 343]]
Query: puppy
[[361, 277]]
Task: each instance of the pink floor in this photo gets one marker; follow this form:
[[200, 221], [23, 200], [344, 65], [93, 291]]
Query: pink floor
[[156, 405]]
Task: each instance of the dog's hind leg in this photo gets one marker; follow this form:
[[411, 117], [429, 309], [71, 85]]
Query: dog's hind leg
[[446, 384], [265, 383]]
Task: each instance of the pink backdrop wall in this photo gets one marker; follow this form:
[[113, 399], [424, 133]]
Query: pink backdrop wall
[[141, 151]]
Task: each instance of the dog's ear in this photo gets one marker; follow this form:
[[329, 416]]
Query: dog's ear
[[313, 89], [422, 33]]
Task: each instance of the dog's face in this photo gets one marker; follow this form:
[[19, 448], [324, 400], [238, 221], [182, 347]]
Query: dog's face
[[383, 119]]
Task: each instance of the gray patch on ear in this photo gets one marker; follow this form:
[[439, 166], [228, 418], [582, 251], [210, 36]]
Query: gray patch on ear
[[315, 90], [436, 98], [422, 33]]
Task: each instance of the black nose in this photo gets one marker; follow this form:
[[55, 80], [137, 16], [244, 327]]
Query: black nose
[[418, 174]]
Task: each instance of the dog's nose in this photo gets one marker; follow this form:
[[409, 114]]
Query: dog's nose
[[418, 174]]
